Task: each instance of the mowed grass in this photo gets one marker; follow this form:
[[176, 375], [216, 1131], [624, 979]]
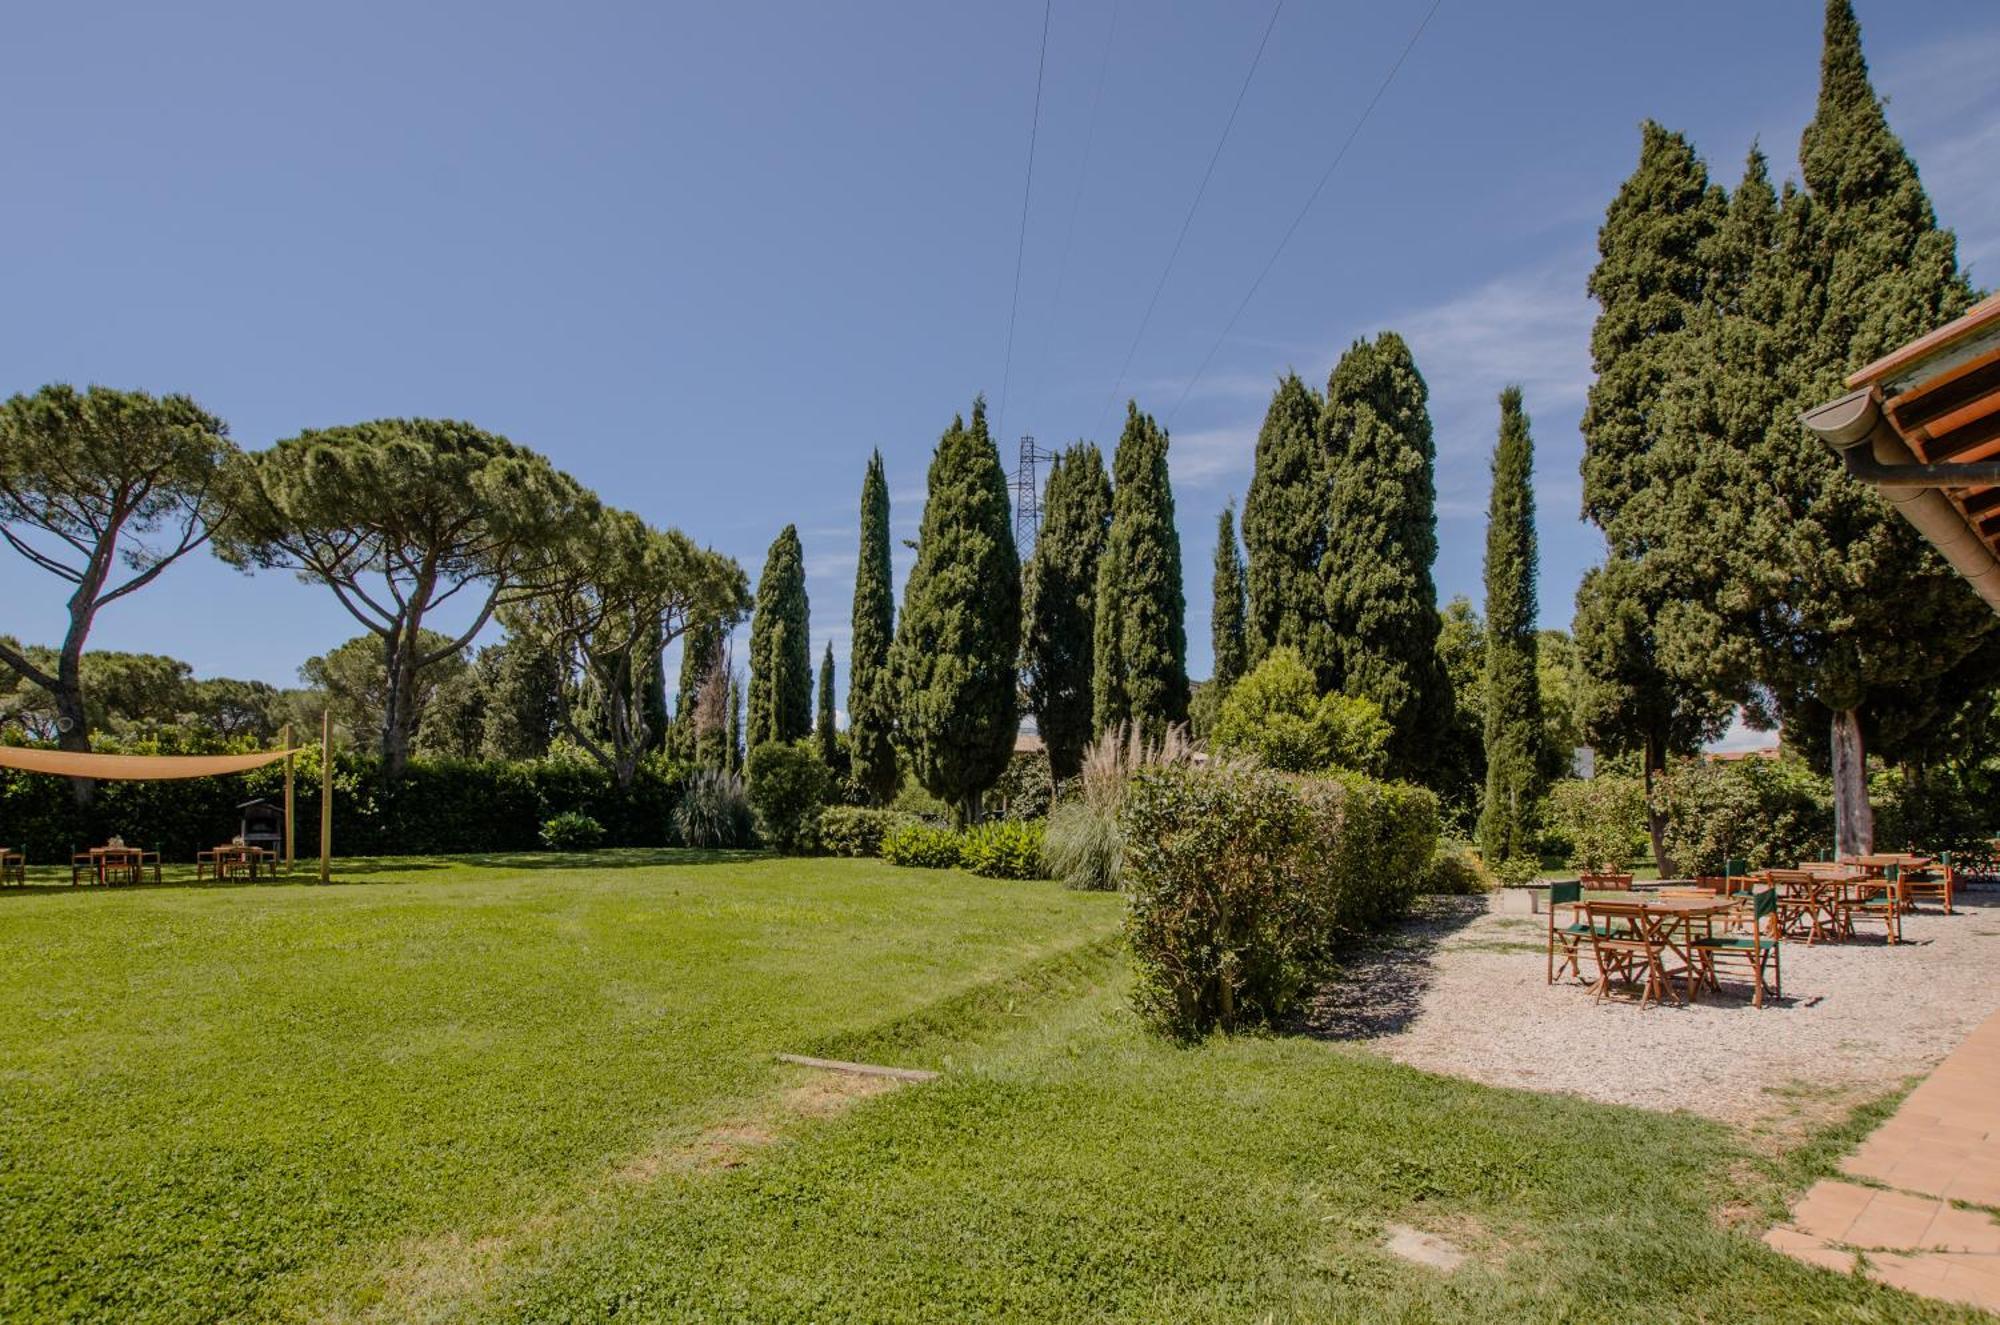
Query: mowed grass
[[251, 1100], [484, 1093]]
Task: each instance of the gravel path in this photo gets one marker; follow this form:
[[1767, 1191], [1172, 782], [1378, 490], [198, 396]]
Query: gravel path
[[1461, 990]]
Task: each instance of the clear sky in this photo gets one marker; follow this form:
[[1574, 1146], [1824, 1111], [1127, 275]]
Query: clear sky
[[706, 257]]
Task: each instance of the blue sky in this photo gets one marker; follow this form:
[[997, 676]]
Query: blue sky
[[707, 257]]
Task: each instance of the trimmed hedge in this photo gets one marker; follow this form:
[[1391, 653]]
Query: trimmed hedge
[[1003, 849], [1242, 883], [857, 830], [922, 846], [440, 807]]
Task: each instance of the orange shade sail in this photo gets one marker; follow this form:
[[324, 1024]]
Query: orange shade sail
[[133, 767]]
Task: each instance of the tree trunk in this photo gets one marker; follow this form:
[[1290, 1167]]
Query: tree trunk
[[399, 716], [72, 727], [1853, 821], [1655, 760]]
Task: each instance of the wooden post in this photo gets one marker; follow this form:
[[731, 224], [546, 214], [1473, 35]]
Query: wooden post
[[287, 738], [325, 794]]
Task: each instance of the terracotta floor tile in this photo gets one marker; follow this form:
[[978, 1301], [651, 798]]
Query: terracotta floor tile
[[1894, 1221], [1813, 1251], [1830, 1208], [1959, 1230]]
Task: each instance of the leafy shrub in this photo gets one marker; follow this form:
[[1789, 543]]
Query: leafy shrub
[[1003, 849], [1457, 871], [855, 830], [1931, 811], [1025, 788], [788, 787], [913, 800], [1603, 818], [1277, 716], [1081, 845], [714, 812], [571, 831], [1770, 813], [1242, 881], [922, 846]]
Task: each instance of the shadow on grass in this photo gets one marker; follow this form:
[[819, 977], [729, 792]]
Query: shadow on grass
[[1378, 987]]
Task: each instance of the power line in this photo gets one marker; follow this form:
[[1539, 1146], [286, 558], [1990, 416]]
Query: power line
[[1311, 198], [1193, 207], [1083, 180], [1027, 191]]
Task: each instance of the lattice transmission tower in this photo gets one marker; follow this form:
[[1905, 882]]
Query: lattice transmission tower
[[1028, 495]]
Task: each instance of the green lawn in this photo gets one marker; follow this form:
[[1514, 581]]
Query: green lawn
[[451, 1090]]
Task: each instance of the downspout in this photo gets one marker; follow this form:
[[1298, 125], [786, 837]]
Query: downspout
[[1872, 451]]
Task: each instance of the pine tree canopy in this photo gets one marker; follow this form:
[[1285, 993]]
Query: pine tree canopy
[[1380, 601], [871, 695], [960, 634], [1284, 530], [1226, 617], [1059, 604], [781, 681], [1141, 630], [1508, 819]]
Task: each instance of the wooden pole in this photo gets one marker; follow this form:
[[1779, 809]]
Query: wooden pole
[[325, 794], [287, 737]]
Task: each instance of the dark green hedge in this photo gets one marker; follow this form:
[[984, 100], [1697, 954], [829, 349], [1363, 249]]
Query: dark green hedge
[[440, 807]]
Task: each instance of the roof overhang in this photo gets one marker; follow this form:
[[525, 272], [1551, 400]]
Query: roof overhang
[[1923, 425]]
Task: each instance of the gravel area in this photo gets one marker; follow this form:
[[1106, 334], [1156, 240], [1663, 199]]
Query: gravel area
[[1460, 989]]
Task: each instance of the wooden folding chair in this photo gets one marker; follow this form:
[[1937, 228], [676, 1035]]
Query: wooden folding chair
[[1879, 901], [1629, 947], [1759, 949], [14, 866], [1931, 881], [81, 863], [1566, 939]]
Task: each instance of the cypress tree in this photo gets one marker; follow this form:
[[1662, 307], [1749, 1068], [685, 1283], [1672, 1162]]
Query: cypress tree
[[1512, 696], [780, 650], [1380, 601], [732, 752], [871, 697], [1141, 631], [1812, 592], [1656, 266], [1284, 530], [701, 649], [650, 671], [1226, 618], [829, 741], [1059, 604], [960, 634]]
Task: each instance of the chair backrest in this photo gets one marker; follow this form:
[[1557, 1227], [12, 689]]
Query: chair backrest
[[1561, 894], [1893, 873], [1764, 903], [1735, 868]]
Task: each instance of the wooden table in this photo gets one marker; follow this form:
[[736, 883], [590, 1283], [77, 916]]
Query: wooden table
[[249, 858], [107, 861], [1667, 922]]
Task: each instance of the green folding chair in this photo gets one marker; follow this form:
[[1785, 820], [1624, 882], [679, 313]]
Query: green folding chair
[[1566, 938], [1760, 950]]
